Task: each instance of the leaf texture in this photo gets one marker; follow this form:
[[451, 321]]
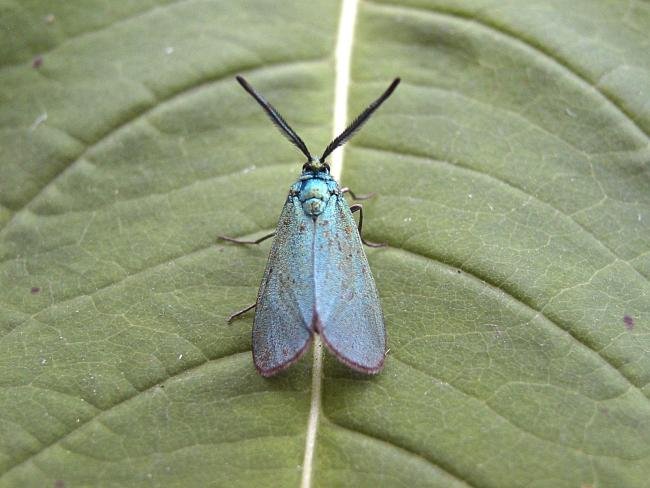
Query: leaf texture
[[512, 189]]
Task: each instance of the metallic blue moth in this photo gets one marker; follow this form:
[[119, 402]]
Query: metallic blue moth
[[317, 279]]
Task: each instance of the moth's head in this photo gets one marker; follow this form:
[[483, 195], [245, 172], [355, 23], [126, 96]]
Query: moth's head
[[315, 165]]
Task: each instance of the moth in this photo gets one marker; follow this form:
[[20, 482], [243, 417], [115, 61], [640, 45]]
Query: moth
[[317, 279]]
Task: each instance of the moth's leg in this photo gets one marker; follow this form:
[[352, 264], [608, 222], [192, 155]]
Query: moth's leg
[[243, 241], [359, 208], [357, 197], [241, 312]]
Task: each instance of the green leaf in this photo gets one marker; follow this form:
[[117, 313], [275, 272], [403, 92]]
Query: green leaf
[[513, 191]]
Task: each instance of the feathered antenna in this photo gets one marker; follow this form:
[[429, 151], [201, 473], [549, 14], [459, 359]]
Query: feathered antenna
[[276, 118], [359, 121]]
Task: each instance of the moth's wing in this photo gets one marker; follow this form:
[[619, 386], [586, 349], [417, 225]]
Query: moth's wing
[[285, 302], [348, 312]]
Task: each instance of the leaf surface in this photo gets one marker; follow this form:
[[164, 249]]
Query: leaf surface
[[513, 192]]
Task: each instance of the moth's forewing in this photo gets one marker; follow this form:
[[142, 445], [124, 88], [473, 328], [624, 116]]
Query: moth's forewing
[[284, 310], [348, 312]]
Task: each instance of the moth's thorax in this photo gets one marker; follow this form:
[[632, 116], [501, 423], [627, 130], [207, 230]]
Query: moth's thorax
[[313, 191]]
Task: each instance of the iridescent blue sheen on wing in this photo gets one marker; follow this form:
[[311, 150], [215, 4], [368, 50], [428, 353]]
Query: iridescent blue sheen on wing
[[283, 315], [349, 316], [317, 280]]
